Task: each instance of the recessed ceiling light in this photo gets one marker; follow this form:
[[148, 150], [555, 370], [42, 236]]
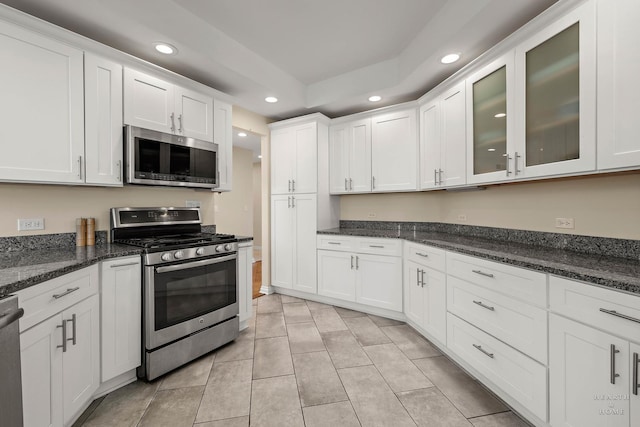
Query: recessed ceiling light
[[500, 115], [375, 98], [491, 149], [242, 134], [450, 58], [165, 48], [271, 99]]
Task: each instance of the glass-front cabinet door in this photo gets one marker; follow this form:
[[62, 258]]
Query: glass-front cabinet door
[[490, 121], [555, 90]]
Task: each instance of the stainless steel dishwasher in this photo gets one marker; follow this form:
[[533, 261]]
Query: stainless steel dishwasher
[[10, 374]]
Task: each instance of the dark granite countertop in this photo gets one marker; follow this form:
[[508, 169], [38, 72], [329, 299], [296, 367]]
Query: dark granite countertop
[[617, 273], [25, 268]]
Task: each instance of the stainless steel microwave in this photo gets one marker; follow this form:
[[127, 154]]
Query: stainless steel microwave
[[157, 158]]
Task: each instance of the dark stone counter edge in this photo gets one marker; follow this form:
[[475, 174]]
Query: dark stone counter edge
[[563, 270], [37, 279]]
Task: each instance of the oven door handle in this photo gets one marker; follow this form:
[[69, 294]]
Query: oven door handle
[[193, 264]]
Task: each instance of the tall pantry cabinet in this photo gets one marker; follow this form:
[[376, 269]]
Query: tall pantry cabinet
[[300, 201]]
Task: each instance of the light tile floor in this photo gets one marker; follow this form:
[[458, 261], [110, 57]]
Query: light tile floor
[[302, 363]]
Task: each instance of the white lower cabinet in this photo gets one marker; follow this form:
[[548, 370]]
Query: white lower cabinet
[[425, 296], [121, 316], [60, 365], [245, 281], [371, 274]]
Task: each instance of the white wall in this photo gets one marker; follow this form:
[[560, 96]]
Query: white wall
[[234, 210], [604, 206]]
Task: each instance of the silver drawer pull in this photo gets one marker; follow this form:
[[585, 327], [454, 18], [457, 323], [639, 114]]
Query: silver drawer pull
[[376, 246], [73, 328], [124, 265], [484, 305], [67, 292], [482, 273], [64, 336], [479, 347], [422, 254], [334, 243], [623, 316]]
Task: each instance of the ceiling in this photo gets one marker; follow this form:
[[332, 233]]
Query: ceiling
[[324, 56]]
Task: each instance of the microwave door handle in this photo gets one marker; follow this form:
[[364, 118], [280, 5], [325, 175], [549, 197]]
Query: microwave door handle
[[200, 263]]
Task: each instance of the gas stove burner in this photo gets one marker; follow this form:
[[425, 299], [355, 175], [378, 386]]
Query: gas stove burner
[[177, 240]]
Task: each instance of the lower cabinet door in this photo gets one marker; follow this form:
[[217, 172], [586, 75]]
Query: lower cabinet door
[[304, 255], [336, 275], [413, 293], [515, 374], [121, 316], [634, 411], [584, 390], [435, 303], [282, 241], [41, 361], [379, 281], [81, 361], [245, 281]]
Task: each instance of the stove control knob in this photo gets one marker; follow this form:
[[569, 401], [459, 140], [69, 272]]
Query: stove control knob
[[227, 247], [166, 257], [178, 254], [200, 251], [219, 248]]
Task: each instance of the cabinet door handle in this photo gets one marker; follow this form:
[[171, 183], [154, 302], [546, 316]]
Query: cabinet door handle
[[376, 246], [293, 202], [418, 277], [440, 176], [622, 316], [352, 262], [435, 177], [482, 273], [180, 123], [67, 292], [484, 305], [350, 184], [357, 262], [613, 363], [334, 243], [293, 185], [422, 254], [119, 167], [479, 347], [515, 164], [64, 336], [345, 184], [289, 187], [422, 274], [73, 329], [508, 160], [173, 123], [373, 182], [288, 202], [123, 265], [80, 167], [635, 374]]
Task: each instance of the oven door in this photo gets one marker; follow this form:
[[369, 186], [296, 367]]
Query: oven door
[[181, 299]]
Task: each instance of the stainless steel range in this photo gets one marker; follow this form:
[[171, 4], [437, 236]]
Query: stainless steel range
[[190, 290]]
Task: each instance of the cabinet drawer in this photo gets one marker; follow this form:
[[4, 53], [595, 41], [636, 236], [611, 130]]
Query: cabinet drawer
[[584, 302], [518, 324], [391, 247], [514, 373], [336, 243], [427, 256], [520, 283], [46, 299]]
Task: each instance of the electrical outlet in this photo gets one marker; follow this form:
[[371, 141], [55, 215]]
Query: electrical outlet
[[31, 224], [462, 218], [371, 215], [192, 203], [564, 223]]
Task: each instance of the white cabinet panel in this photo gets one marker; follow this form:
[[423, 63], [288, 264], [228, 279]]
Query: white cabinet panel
[[350, 157], [245, 280], [148, 102], [634, 406], [339, 151], [305, 167], [43, 131], [618, 83], [304, 207], [222, 121], [121, 315], [195, 114], [283, 156], [414, 301], [103, 121], [394, 149], [282, 241], [336, 275], [379, 281], [430, 144]]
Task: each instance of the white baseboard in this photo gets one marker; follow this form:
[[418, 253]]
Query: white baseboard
[[267, 290]]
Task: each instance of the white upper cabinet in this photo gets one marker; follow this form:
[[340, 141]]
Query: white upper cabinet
[[222, 127], [294, 159], [153, 103], [555, 82], [350, 157], [103, 121], [43, 118], [618, 84], [490, 120], [394, 151], [443, 140]]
